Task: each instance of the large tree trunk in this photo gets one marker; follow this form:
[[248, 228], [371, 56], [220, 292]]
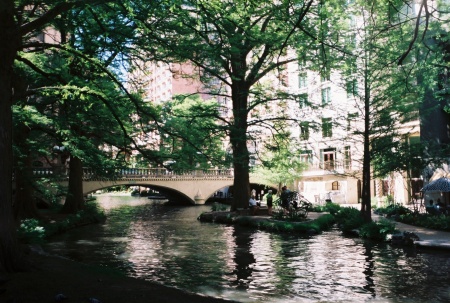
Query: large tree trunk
[[241, 185], [366, 206], [24, 202], [238, 138], [75, 198], [9, 249]]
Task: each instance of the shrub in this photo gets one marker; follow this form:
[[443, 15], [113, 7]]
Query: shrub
[[348, 219], [219, 207], [318, 208], [377, 230], [393, 210], [332, 208], [324, 222], [31, 232]]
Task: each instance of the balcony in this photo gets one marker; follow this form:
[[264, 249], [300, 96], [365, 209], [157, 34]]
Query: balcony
[[330, 167]]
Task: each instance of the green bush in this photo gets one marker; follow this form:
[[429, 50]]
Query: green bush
[[377, 230], [31, 232], [219, 207], [393, 210], [318, 208], [405, 215], [332, 208], [91, 213], [348, 219], [440, 222]]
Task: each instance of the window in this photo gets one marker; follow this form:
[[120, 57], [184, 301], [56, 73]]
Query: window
[[347, 157], [335, 185], [303, 100], [328, 156], [326, 97], [327, 130], [351, 86], [302, 80], [306, 156], [351, 117], [304, 130]]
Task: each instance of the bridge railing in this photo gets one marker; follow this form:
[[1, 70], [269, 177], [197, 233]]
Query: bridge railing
[[133, 173]]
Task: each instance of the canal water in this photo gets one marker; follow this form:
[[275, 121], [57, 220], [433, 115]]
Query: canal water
[[166, 244]]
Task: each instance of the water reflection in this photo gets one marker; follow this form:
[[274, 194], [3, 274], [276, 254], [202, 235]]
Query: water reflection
[[151, 241]]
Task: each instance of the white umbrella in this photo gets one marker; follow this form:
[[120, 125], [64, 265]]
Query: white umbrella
[[442, 184]]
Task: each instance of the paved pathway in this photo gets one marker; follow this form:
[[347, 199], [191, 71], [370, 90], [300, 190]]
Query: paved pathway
[[427, 237]]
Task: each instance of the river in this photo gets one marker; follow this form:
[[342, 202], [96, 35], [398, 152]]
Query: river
[[167, 244]]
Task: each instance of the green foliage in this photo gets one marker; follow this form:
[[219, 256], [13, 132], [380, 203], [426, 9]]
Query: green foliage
[[30, 231], [439, 222], [393, 210], [219, 207], [332, 208], [191, 135], [280, 160], [322, 223], [92, 213], [349, 219], [318, 208], [378, 230]]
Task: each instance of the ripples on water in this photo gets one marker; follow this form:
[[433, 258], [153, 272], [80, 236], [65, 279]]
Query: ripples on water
[[168, 245]]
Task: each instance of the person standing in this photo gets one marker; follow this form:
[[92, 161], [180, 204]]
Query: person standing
[[253, 205]]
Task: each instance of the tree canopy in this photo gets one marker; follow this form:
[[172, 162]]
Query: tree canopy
[[234, 45]]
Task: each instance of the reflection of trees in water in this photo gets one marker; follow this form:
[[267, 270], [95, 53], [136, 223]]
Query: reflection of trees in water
[[243, 258], [404, 272], [168, 245], [369, 269]]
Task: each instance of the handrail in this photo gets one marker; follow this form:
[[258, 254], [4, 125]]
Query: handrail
[[133, 173]]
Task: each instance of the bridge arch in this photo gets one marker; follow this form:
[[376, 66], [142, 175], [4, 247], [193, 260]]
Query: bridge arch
[[192, 187], [182, 191]]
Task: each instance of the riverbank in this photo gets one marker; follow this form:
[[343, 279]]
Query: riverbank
[[313, 224], [52, 275]]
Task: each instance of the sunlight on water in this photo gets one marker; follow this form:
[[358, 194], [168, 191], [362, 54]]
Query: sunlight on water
[[166, 244]]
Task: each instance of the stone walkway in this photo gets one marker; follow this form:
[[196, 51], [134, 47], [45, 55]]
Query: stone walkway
[[427, 237]]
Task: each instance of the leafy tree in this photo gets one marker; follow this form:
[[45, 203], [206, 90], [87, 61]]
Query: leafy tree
[[383, 94], [13, 29], [20, 24], [236, 43], [190, 135], [280, 161]]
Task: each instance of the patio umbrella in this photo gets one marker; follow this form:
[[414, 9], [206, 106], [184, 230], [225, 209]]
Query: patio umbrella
[[441, 184]]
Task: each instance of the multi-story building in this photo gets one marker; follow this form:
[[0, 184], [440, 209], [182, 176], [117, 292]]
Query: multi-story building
[[328, 111], [326, 115]]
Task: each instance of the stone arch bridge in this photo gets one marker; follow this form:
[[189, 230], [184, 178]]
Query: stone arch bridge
[[193, 187]]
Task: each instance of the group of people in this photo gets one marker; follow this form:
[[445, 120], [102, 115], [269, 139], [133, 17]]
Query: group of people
[[255, 205]]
